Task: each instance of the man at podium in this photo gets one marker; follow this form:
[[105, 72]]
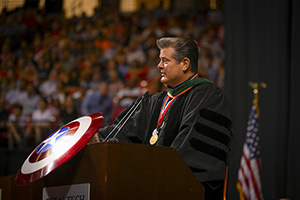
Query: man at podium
[[192, 116]]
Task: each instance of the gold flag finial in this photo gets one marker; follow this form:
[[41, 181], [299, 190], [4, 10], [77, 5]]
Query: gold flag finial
[[256, 86]]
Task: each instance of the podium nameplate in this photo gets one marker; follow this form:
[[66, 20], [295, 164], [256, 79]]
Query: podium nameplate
[[76, 191]]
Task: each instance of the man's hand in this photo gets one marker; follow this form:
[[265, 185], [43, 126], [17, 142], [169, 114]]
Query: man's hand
[[94, 139]]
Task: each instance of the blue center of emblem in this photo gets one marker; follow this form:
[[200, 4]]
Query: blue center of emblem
[[52, 140]]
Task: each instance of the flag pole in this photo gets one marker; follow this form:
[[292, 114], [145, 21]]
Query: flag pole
[[248, 183]]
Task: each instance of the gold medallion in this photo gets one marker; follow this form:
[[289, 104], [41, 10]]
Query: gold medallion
[[153, 139]]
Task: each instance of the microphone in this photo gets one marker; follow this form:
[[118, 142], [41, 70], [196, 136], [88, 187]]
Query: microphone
[[123, 121]]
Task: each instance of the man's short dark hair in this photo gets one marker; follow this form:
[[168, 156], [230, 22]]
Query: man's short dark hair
[[184, 47]]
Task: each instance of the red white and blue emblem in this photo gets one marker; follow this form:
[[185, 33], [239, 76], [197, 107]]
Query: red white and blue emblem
[[59, 147]]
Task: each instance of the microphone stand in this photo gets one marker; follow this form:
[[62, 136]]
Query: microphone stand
[[125, 119]]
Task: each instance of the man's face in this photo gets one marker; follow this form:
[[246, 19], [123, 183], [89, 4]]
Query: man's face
[[171, 71]]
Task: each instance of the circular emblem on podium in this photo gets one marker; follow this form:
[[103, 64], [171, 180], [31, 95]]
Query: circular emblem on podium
[[58, 148]]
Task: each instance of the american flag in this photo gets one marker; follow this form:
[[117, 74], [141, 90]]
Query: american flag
[[249, 181]]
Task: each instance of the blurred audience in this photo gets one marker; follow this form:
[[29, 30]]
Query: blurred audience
[[98, 100], [15, 95], [63, 60], [129, 93], [16, 127], [4, 116], [41, 124], [68, 111], [48, 88], [30, 101]]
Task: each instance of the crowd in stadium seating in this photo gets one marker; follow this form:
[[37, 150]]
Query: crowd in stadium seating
[[53, 69]]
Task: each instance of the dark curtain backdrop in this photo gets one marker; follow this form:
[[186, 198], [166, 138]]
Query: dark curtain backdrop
[[262, 40]]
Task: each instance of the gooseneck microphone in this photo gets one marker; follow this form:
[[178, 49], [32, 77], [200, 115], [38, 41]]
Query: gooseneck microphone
[[123, 121]]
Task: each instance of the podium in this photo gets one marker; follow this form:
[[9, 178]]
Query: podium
[[117, 171]]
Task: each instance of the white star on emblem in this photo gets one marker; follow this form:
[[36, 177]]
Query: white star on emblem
[[52, 139]]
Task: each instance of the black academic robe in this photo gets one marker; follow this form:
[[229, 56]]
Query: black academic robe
[[197, 125]]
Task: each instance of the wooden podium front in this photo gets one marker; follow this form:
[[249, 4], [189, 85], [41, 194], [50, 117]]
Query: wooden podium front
[[117, 171]]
